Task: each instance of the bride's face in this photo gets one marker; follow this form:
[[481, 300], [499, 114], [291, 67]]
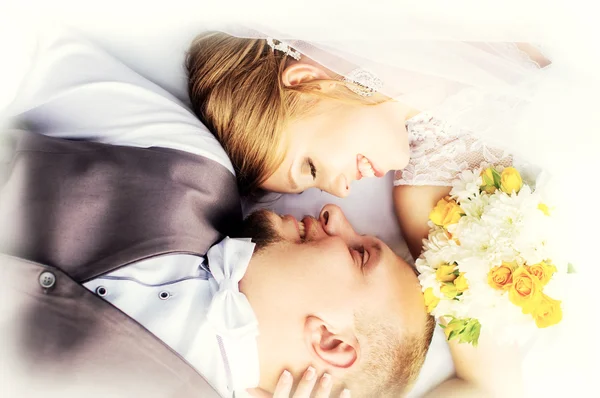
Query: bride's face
[[340, 143]]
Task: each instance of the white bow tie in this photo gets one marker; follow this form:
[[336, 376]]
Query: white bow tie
[[230, 312]]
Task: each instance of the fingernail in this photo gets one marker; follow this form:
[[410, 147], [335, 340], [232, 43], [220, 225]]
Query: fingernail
[[326, 217], [310, 373], [286, 377], [345, 393], [326, 380]]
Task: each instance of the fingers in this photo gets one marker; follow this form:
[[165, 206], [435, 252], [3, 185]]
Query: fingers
[[323, 388], [284, 385], [309, 386], [306, 384]]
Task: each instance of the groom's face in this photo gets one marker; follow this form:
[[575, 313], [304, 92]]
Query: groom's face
[[330, 270]]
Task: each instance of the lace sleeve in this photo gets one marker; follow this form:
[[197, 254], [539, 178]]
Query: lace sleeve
[[440, 153]]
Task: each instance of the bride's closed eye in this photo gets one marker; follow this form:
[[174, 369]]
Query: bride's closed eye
[[311, 167]]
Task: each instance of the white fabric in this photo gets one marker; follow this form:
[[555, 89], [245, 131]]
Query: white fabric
[[230, 312], [178, 301], [71, 88], [439, 153]]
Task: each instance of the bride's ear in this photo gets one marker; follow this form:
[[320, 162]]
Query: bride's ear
[[302, 73], [337, 349]]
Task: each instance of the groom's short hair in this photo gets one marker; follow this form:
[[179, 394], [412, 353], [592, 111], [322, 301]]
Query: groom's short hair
[[393, 361]]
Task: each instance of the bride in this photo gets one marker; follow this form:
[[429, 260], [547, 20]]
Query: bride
[[295, 114]]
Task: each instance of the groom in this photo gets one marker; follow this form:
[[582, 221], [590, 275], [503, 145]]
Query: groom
[[88, 225]]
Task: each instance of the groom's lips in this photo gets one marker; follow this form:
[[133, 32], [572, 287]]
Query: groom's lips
[[308, 223], [292, 219]]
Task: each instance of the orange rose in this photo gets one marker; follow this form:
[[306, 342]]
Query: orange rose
[[526, 290], [542, 271], [547, 312], [501, 277]]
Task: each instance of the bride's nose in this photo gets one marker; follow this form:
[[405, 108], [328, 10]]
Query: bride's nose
[[334, 223]]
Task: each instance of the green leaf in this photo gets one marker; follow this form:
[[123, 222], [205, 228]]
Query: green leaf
[[497, 178], [487, 181], [453, 335], [571, 269]]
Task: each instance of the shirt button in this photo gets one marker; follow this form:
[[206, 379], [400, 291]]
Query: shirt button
[[164, 295], [47, 279], [101, 291]]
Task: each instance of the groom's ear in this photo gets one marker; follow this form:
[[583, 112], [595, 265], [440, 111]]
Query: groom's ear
[[302, 73], [333, 348]]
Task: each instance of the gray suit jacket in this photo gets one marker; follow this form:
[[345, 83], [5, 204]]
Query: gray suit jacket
[[74, 210]]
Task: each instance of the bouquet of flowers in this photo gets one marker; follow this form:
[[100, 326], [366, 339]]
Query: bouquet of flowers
[[487, 260]]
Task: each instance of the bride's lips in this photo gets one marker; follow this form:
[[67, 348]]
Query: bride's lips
[[378, 172]]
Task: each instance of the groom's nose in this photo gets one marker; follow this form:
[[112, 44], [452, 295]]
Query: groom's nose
[[334, 223]]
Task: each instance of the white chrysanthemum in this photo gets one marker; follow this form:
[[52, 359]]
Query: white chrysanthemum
[[495, 228], [475, 206], [467, 185]]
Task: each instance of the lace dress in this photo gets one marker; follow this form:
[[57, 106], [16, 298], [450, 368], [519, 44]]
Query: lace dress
[[439, 153]]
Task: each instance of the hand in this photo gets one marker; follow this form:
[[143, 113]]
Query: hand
[[307, 387]]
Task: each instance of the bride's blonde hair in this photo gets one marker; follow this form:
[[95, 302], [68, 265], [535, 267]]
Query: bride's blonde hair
[[236, 89]]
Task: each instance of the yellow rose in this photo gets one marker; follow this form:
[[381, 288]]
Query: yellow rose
[[544, 208], [431, 300], [445, 273], [510, 180], [547, 312], [461, 283], [449, 290], [446, 212], [542, 271], [489, 185], [525, 291], [501, 277]]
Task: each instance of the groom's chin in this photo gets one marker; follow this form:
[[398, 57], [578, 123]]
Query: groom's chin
[[260, 228]]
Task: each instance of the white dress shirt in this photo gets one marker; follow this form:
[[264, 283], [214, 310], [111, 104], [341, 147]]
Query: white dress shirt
[[177, 299], [70, 88]]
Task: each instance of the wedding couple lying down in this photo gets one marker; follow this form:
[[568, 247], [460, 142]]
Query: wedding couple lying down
[[128, 265]]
